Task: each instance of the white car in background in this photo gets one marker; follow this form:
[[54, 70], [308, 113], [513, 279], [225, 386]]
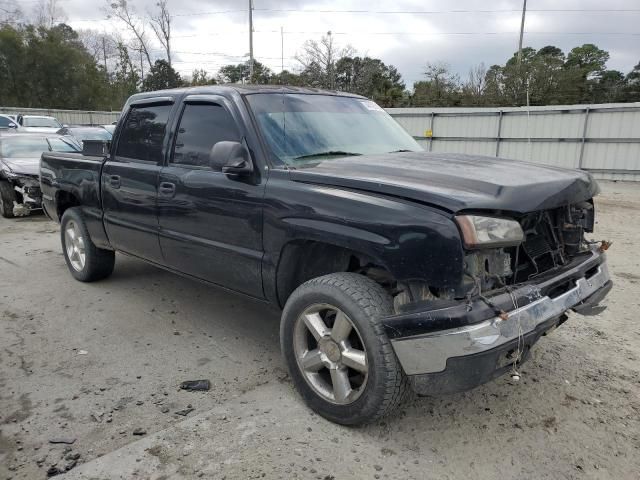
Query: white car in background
[[39, 124], [6, 122]]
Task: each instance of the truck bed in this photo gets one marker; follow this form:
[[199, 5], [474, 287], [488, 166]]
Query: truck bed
[[65, 176]]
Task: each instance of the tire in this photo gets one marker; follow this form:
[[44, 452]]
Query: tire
[[87, 263], [362, 302], [7, 197]]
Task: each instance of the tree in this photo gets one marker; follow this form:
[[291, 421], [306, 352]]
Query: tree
[[285, 77], [128, 16], [125, 79], [441, 89], [49, 13], [102, 46], [371, 78], [632, 88], [201, 77], [473, 90], [589, 59], [239, 73], [319, 59], [161, 76], [12, 66], [161, 26], [610, 87]]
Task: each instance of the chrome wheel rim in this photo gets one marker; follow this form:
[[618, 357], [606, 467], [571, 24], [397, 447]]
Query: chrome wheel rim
[[330, 354], [74, 244]]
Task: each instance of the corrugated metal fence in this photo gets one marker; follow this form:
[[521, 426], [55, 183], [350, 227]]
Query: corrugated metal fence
[[66, 116], [603, 139]]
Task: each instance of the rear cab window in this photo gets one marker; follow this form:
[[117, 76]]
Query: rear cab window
[[143, 133]]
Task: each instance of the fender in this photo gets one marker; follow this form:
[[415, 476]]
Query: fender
[[411, 241]]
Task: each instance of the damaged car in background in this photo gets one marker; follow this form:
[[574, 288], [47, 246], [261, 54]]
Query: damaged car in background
[[19, 170]]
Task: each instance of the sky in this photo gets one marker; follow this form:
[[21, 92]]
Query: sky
[[404, 33]]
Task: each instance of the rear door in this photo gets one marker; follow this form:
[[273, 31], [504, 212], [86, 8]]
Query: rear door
[[130, 179], [210, 222]]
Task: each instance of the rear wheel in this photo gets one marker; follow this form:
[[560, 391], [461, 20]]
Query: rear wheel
[[339, 357], [7, 197], [86, 262]]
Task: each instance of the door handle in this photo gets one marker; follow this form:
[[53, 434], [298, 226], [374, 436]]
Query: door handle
[[114, 181], [167, 189]]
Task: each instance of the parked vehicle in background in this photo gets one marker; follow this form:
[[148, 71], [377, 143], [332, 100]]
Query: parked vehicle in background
[[19, 170], [110, 128], [82, 133], [395, 268], [39, 124], [6, 123]]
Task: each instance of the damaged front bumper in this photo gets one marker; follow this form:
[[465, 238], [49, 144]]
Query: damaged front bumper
[[29, 195], [455, 346]]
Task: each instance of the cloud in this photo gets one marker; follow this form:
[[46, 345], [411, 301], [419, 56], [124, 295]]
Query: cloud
[[461, 36]]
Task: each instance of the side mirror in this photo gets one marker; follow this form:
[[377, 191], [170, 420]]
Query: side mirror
[[12, 125], [232, 157]]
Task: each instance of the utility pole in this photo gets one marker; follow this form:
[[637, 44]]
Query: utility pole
[[524, 11], [250, 41], [104, 54], [281, 50]]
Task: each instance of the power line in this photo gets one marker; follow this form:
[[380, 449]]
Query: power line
[[446, 12], [410, 33]]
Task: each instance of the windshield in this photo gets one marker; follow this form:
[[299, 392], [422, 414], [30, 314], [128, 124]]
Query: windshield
[[41, 122], [83, 134], [30, 146], [301, 128], [23, 147], [59, 144]]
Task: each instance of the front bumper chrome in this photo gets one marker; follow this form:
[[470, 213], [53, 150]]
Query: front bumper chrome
[[429, 352]]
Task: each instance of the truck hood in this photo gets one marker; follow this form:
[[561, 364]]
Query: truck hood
[[21, 166], [455, 182]]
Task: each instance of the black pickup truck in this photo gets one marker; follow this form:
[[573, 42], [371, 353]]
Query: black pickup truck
[[396, 269]]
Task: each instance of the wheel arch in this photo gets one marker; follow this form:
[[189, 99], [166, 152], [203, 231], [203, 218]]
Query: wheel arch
[[302, 259]]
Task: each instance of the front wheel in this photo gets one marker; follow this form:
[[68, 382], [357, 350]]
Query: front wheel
[[337, 353], [86, 262]]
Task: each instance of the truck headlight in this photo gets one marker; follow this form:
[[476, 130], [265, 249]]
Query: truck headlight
[[482, 232]]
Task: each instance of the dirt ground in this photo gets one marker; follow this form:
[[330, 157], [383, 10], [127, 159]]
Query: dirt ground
[[100, 364]]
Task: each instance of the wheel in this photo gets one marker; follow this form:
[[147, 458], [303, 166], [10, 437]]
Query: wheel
[[338, 356], [86, 262], [7, 197]]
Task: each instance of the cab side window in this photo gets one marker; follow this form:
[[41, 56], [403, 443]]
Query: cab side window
[[201, 127], [143, 133]]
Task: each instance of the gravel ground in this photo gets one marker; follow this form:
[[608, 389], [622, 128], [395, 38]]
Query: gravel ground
[[100, 364]]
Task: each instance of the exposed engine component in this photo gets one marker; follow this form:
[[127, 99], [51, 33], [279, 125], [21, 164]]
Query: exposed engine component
[[552, 238], [489, 269]]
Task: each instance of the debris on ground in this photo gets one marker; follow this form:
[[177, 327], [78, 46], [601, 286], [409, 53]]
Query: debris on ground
[[185, 412], [139, 431], [65, 440], [195, 385]]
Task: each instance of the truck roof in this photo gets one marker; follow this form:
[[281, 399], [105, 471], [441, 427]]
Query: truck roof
[[244, 90]]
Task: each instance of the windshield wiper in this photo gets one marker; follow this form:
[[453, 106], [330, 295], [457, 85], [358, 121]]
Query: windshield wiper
[[401, 150], [327, 154]]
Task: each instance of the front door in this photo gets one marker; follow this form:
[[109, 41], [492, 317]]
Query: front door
[[210, 222], [130, 179]]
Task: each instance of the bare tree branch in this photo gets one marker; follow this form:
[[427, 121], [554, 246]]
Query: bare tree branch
[[319, 59], [161, 25], [127, 15]]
